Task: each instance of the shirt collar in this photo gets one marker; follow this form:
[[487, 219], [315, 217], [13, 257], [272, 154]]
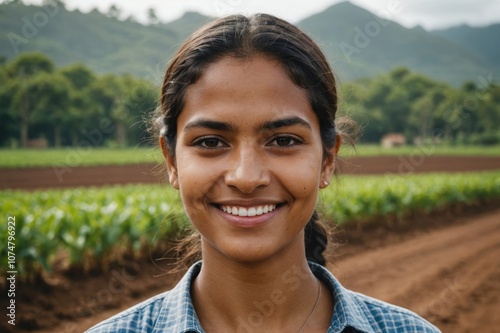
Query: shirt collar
[[179, 315], [346, 309]]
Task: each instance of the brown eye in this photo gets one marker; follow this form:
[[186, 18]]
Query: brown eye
[[284, 141], [211, 143]]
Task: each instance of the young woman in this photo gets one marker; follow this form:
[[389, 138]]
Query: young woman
[[248, 133]]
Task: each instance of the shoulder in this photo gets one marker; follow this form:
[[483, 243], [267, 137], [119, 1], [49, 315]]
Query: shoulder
[[385, 317], [361, 313], [139, 318], [171, 310]]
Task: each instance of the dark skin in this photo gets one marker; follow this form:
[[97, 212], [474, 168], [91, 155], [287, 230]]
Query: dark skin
[[249, 163]]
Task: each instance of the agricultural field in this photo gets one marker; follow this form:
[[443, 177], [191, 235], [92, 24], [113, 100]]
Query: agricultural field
[[87, 156], [427, 150], [89, 228], [75, 157], [73, 236]]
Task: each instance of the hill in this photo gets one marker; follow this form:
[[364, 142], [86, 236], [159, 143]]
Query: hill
[[105, 44], [483, 40], [358, 43], [188, 23], [361, 44]]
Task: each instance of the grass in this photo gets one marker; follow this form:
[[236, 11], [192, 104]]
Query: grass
[[72, 157], [377, 150]]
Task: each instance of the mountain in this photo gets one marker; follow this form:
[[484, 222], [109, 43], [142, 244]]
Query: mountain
[[105, 44], [188, 23], [483, 40], [358, 43], [361, 44]]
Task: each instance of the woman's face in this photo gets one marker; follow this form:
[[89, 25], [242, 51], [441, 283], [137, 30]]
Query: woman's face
[[248, 159]]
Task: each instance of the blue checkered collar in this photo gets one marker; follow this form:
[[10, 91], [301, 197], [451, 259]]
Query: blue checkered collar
[[180, 316]]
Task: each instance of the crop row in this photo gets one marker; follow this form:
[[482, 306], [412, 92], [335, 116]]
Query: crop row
[[94, 226], [364, 197]]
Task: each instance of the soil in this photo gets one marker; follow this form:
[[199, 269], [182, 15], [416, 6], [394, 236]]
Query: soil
[[444, 267], [41, 178]]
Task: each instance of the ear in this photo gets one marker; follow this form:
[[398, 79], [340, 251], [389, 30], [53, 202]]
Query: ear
[[173, 176], [329, 163]]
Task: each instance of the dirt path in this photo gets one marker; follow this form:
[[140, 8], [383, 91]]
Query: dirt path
[[451, 276], [40, 178], [446, 269]]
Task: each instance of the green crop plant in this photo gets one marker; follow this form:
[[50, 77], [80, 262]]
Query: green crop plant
[[92, 227]]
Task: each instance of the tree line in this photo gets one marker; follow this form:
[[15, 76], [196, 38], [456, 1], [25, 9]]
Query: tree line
[[67, 105], [424, 109]]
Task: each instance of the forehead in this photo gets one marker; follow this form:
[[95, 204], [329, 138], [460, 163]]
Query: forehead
[[235, 87], [249, 73]]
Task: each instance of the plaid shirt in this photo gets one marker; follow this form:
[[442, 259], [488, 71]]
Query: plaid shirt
[[173, 312]]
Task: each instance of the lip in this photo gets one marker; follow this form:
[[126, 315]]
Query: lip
[[247, 221], [248, 203]]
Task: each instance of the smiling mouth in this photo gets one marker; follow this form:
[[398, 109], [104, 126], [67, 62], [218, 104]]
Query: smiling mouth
[[248, 211]]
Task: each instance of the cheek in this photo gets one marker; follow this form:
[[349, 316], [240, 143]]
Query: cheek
[[301, 177], [197, 184]]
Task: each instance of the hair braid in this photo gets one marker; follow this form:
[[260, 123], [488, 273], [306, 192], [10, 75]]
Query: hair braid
[[316, 240]]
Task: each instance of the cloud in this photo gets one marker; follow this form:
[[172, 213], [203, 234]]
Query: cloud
[[440, 14], [429, 13]]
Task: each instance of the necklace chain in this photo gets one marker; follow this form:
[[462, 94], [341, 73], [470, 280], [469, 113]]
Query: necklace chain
[[314, 308]]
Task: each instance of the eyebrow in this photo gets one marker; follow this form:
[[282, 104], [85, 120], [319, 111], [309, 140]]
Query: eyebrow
[[212, 124], [228, 127], [285, 122]]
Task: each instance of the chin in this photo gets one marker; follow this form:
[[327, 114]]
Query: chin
[[248, 251]]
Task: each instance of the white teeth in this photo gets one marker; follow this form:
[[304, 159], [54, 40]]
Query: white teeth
[[242, 212], [252, 211]]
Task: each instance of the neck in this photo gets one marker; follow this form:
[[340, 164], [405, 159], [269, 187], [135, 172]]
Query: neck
[[276, 294]]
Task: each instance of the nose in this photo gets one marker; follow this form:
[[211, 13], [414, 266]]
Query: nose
[[247, 169]]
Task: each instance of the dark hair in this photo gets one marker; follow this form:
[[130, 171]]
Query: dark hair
[[243, 37]]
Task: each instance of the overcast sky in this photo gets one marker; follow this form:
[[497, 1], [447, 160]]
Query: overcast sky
[[431, 14]]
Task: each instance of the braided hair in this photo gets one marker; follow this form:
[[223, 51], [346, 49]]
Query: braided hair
[[243, 37]]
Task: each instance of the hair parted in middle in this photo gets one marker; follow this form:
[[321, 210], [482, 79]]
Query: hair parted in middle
[[242, 37]]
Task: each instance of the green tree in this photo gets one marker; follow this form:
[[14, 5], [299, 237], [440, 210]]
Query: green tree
[[9, 124], [106, 92], [423, 113], [114, 11], [141, 100], [81, 77], [21, 72], [52, 93], [152, 17]]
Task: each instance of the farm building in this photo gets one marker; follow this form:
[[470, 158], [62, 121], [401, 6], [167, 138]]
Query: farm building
[[391, 140]]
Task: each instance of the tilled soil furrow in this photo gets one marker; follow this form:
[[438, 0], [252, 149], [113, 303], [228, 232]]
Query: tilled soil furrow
[[482, 307], [464, 292], [414, 255], [441, 275]]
